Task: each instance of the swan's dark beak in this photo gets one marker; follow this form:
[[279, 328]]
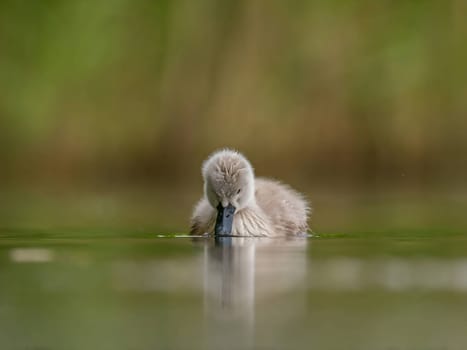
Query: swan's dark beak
[[224, 220]]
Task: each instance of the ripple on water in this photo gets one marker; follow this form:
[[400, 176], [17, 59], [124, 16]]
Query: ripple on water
[[31, 255]]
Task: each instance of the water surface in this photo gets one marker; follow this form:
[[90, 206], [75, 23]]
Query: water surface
[[119, 290]]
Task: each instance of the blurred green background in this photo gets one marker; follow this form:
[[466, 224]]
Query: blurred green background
[[108, 108]]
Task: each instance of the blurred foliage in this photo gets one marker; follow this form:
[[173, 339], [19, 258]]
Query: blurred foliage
[[141, 91]]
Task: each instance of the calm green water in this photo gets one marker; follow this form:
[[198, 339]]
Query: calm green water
[[114, 290]]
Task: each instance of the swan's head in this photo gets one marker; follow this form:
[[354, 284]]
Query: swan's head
[[229, 186]]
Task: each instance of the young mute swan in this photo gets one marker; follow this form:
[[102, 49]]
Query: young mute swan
[[235, 203]]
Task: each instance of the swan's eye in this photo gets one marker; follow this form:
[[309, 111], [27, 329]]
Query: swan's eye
[[239, 190]]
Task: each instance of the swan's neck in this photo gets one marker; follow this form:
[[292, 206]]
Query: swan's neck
[[251, 221]]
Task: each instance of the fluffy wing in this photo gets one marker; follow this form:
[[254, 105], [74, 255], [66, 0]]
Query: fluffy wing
[[287, 209], [203, 218]]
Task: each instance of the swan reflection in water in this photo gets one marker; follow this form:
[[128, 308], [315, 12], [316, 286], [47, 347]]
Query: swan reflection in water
[[246, 280]]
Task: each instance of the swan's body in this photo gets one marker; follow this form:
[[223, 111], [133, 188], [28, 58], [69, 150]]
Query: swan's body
[[259, 207]]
